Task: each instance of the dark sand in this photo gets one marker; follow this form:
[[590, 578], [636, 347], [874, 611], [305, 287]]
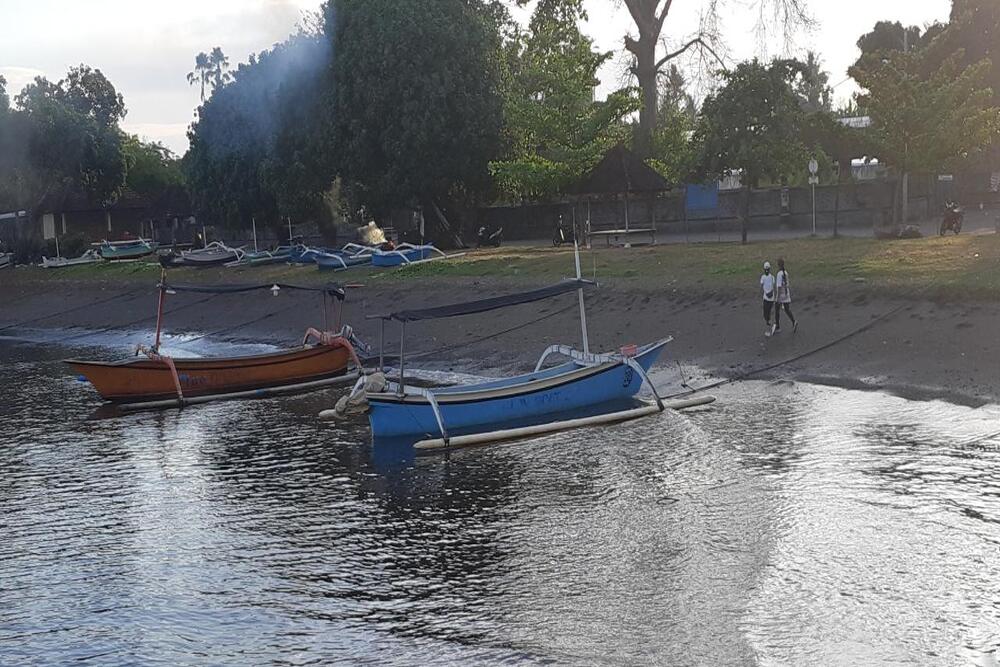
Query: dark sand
[[916, 348]]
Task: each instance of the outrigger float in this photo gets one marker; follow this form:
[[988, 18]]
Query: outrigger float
[[586, 390], [156, 380]]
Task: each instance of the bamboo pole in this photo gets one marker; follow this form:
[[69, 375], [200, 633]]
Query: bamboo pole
[[437, 444]]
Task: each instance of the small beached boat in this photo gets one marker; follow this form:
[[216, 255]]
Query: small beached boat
[[158, 380], [350, 255], [214, 254], [89, 257], [118, 250], [264, 257], [6, 260], [405, 253]]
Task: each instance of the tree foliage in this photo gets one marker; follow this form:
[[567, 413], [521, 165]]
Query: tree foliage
[[63, 133], [926, 116], [152, 167], [554, 129], [415, 110], [752, 125], [210, 69], [253, 149]]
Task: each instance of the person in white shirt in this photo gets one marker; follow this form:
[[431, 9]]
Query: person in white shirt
[[784, 298], [768, 287]]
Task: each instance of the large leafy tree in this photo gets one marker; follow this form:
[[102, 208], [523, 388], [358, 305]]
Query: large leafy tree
[[752, 125], [554, 128], [254, 151], [415, 111], [67, 133], [926, 116], [152, 167]]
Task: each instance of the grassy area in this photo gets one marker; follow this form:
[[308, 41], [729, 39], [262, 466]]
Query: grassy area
[[964, 267]]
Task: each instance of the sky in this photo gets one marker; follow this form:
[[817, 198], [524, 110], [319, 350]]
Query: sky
[[147, 47]]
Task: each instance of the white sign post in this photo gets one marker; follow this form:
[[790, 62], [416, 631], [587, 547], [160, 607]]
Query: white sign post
[[813, 180]]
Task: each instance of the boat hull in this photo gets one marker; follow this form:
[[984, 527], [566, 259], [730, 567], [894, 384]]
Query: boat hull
[[139, 380], [394, 259], [571, 387], [111, 252]]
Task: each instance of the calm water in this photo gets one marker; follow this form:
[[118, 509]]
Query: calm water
[[840, 528]]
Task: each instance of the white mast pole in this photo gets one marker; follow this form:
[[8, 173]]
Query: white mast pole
[[579, 294], [254, 222]]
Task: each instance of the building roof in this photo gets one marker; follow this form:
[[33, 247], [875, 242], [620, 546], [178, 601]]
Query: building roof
[[620, 171]]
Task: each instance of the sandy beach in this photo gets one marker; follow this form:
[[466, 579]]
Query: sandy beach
[[852, 332]]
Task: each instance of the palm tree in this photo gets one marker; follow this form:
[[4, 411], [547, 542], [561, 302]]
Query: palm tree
[[201, 73], [219, 63], [210, 69]]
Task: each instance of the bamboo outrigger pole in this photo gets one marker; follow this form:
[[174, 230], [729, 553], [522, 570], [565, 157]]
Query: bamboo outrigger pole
[[579, 293]]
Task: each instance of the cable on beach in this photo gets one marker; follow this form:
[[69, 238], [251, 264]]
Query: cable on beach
[[770, 367], [126, 295], [146, 318]]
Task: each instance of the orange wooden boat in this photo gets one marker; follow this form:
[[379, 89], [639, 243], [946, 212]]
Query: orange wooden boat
[[158, 378]]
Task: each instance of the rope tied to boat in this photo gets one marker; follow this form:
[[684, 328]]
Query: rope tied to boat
[[154, 355]]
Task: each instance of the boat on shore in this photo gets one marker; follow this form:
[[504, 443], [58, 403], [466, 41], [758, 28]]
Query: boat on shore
[[406, 253], [119, 250], [215, 253], [6, 260], [352, 254], [158, 380], [89, 257]]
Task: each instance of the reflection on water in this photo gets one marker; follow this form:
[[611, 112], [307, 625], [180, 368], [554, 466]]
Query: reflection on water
[[788, 524]]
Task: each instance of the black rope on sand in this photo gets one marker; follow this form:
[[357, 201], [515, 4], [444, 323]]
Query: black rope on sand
[[146, 318], [242, 325], [126, 295], [757, 371]]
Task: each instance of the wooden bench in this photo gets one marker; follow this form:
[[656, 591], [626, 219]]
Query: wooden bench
[[616, 235]]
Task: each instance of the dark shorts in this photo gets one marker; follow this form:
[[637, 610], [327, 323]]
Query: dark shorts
[[768, 307]]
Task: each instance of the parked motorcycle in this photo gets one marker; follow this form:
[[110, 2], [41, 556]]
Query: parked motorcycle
[[953, 218], [489, 236], [563, 234]]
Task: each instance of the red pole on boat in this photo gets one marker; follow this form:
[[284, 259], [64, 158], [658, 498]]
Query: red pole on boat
[[159, 309]]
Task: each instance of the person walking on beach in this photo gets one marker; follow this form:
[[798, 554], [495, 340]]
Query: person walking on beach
[[767, 286], [784, 298]]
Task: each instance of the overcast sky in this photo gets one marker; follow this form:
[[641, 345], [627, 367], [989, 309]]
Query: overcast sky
[[147, 47]]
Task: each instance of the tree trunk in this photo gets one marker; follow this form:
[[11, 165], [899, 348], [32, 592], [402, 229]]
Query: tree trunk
[[646, 75], [745, 218]]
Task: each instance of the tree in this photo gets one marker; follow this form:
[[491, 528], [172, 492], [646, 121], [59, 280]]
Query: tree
[[812, 85], [210, 70], [152, 167], [554, 129], [752, 125], [648, 60], [4, 98], [255, 150], [926, 116], [71, 135], [415, 110]]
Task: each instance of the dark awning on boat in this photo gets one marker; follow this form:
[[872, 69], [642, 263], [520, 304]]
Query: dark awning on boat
[[332, 289], [483, 305]]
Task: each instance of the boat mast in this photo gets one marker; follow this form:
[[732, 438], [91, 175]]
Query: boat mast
[[159, 309], [579, 293]]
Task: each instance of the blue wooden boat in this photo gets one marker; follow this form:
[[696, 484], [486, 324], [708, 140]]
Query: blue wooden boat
[[547, 399], [581, 383], [405, 253]]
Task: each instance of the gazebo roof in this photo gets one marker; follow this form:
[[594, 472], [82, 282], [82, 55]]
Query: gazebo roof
[[620, 171]]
